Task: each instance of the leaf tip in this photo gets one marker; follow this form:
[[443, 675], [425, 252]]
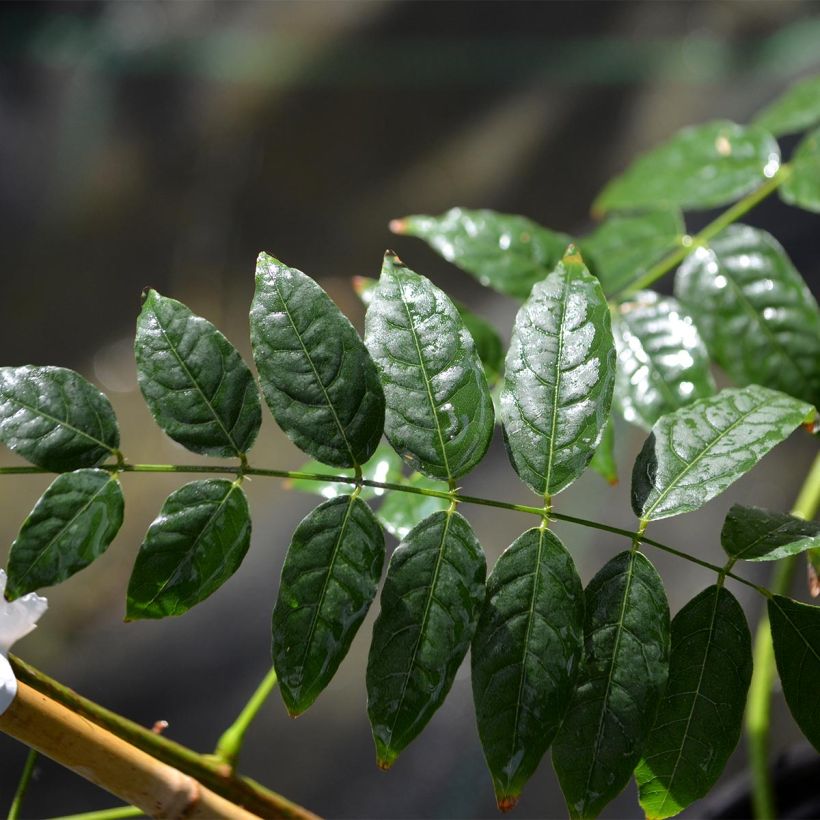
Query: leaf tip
[[392, 258], [506, 802], [146, 294], [814, 581], [398, 226], [572, 255]]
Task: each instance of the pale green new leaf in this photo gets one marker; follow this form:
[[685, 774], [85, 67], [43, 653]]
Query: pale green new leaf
[[802, 186], [400, 512], [603, 462], [754, 534], [797, 109]]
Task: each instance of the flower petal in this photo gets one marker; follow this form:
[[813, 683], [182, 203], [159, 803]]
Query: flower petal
[[8, 684], [19, 617]]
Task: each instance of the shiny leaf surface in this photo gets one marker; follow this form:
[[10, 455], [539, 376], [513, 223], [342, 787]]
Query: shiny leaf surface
[[802, 186], [439, 411], [795, 110], [699, 720], [754, 534], [695, 453], [603, 462], [702, 166], [329, 579], [429, 607], [622, 679], [69, 528], [316, 375], [55, 419], [195, 544], [662, 361], [559, 376], [400, 512], [505, 252], [525, 657], [757, 317]]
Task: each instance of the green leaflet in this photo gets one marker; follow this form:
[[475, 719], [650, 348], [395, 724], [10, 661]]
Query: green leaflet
[[439, 411], [316, 374], [695, 453], [662, 362], [55, 419], [525, 657], [699, 720], [802, 186], [625, 246], [621, 682], [400, 512], [429, 607], [194, 381], [328, 581], [70, 526], [505, 252], [795, 110], [796, 638], [757, 317], [702, 166], [754, 534], [559, 378], [603, 461], [195, 544]]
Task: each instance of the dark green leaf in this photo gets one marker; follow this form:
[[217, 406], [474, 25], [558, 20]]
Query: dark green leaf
[[525, 657], [55, 419], [559, 378], [662, 362], [505, 252], [195, 544], [700, 717], [703, 166], [316, 374], [755, 313], [329, 579], [69, 527], [754, 534], [194, 381], [695, 453], [802, 185], [603, 462], [622, 679], [796, 638], [439, 411], [429, 607], [400, 512], [625, 246], [795, 110]]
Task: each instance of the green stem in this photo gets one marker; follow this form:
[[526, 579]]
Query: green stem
[[230, 744], [728, 217], [22, 786], [105, 814], [758, 709]]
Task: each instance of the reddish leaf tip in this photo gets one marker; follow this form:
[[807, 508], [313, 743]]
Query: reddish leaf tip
[[507, 802], [398, 226]]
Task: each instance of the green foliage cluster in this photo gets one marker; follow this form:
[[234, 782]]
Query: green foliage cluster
[[599, 674]]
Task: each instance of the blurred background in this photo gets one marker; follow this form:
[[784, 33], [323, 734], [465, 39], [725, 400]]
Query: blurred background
[[167, 143]]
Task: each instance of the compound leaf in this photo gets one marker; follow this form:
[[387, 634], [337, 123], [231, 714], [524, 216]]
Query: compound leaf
[[754, 534], [559, 376], [400, 512], [55, 419], [70, 526], [758, 319], [329, 579], [662, 362], [603, 462], [621, 682], [505, 252], [702, 166], [699, 720], [796, 637], [802, 186], [439, 411], [795, 110], [525, 657], [429, 607], [317, 377], [195, 544], [695, 453]]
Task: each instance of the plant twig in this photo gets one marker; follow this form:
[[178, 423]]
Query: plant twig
[[119, 813], [22, 786]]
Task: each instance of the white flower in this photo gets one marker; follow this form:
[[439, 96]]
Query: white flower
[[17, 619]]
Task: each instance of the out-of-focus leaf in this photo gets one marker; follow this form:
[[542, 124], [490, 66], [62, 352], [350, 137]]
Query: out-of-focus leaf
[[695, 453], [317, 377], [525, 657], [603, 462], [795, 110], [702, 166], [55, 419], [439, 411], [559, 375], [758, 319], [329, 579], [400, 512], [69, 527], [505, 252], [662, 362], [754, 534], [802, 186]]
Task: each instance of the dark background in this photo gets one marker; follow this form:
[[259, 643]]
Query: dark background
[[166, 144]]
